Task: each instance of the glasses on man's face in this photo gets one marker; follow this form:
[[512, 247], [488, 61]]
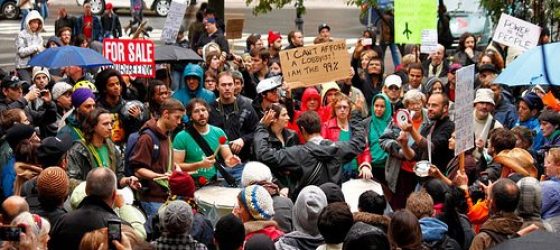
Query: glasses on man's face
[[393, 88]]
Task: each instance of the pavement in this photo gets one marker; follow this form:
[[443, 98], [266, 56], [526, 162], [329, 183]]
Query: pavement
[[342, 19]]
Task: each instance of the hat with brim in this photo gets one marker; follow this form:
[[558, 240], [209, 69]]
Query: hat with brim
[[11, 82], [484, 95], [268, 84], [517, 160]]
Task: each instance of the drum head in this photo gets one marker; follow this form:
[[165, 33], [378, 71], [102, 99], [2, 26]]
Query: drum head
[[352, 190]]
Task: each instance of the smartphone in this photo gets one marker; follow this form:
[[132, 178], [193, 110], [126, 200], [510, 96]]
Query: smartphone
[[367, 41], [114, 230], [10, 233]]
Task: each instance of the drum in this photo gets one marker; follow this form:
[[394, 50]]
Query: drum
[[352, 190], [216, 201]]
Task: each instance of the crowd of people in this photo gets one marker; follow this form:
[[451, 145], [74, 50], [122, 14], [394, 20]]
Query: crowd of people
[[82, 148]]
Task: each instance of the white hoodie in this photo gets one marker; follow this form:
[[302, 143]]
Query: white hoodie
[[29, 43]]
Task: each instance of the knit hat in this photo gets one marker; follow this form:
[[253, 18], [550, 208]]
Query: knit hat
[[181, 184], [211, 20], [17, 133], [273, 36], [255, 172], [365, 236], [309, 204], [533, 101], [80, 96], [530, 197], [484, 95], [52, 184], [59, 89], [108, 6], [41, 70], [258, 202], [333, 192], [177, 217], [52, 149]]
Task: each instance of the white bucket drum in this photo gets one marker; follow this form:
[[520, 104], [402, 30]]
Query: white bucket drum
[[216, 201], [352, 190]]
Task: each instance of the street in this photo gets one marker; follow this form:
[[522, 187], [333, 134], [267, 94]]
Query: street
[[342, 19]]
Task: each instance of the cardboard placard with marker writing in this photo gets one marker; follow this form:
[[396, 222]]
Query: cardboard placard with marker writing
[[312, 65]]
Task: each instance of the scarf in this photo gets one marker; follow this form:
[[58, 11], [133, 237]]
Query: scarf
[[376, 127]]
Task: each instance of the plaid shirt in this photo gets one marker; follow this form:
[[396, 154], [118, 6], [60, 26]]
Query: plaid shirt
[[178, 242]]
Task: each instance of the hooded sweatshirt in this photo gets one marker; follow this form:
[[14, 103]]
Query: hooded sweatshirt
[[184, 94], [29, 43], [309, 204]]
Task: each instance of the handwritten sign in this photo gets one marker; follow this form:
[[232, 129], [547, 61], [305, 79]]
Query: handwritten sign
[[316, 64], [412, 17], [234, 28], [174, 20], [464, 125], [134, 57], [429, 41], [515, 32]]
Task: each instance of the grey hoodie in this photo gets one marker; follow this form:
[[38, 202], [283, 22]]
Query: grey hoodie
[[309, 204], [28, 43]]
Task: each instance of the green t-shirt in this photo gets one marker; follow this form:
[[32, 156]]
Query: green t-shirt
[[103, 153], [193, 153], [345, 136]]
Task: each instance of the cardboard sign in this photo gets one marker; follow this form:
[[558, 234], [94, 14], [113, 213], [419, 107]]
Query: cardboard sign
[[464, 97], [429, 41], [515, 32], [234, 28], [412, 17], [174, 20], [133, 57], [316, 64]]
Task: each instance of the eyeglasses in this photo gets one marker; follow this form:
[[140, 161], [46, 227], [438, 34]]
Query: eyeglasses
[[393, 88]]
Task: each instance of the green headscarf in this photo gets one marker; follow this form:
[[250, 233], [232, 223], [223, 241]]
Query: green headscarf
[[376, 128]]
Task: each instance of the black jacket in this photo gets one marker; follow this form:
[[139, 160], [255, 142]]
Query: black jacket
[[241, 122], [218, 37], [111, 25], [45, 114], [441, 154], [301, 160], [92, 214]]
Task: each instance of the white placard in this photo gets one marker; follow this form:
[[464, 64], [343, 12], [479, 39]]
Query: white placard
[[464, 97], [515, 32], [429, 41], [174, 20]]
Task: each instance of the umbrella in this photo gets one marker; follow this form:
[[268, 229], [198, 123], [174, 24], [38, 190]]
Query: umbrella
[[58, 57], [535, 240], [172, 53], [531, 67]]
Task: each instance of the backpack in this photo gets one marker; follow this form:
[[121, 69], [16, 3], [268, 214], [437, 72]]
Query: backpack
[[131, 142]]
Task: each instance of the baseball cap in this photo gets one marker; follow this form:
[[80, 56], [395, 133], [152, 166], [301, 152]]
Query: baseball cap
[[108, 6], [12, 81], [60, 88], [52, 149], [323, 26], [393, 80]]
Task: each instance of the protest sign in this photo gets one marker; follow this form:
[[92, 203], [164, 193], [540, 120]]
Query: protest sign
[[464, 97], [174, 20], [234, 28], [133, 57], [316, 64], [429, 41], [412, 17], [515, 32]]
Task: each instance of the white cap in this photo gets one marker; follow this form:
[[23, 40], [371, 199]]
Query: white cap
[[393, 80], [268, 84], [59, 89]]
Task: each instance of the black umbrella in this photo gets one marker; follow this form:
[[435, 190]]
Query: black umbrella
[[535, 240], [173, 54]]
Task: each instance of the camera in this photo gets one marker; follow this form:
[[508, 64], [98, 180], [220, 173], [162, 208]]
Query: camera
[[43, 92], [476, 190], [114, 231], [10, 233]]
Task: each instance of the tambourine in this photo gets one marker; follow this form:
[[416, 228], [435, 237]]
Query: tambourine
[[401, 117]]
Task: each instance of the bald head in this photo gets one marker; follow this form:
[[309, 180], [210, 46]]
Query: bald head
[[102, 183], [12, 207]]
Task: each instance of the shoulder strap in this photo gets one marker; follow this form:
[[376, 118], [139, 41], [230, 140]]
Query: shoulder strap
[[155, 141], [203, 144]]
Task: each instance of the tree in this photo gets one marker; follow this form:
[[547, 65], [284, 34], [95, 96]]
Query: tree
[[265, 6]]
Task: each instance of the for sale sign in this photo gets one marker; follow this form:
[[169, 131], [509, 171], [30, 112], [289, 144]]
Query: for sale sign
[[133, 57]]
